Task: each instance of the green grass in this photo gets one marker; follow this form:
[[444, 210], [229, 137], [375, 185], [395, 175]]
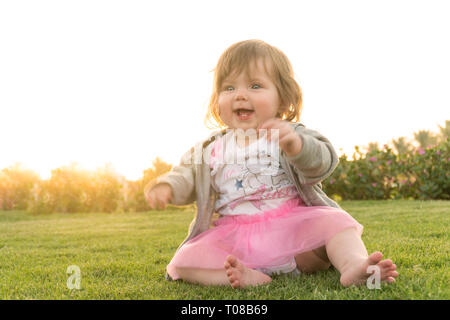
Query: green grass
[[123, 256]]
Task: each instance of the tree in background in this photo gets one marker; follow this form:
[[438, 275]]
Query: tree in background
[[372, 147], [425, 138], [402, 146], [158, 168], [444, 131]]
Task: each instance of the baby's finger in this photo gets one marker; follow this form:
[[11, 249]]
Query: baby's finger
[[267, 129], [167, 198], [277, 132], [151, 203], [267, 124], [161, 203]]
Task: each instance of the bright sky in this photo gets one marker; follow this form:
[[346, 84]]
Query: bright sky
[[126, 81]]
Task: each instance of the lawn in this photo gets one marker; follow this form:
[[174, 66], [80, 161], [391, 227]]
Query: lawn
[[123, 256]]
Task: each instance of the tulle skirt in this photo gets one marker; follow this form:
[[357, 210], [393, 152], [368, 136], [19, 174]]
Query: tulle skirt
[[268, 241]]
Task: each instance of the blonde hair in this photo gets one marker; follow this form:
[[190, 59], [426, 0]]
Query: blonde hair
[[237, 58]]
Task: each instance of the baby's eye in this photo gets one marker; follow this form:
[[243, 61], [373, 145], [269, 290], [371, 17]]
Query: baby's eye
[[256, 86], [228, 88]]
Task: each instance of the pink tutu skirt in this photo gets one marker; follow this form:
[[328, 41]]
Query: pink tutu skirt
[[263, 241]]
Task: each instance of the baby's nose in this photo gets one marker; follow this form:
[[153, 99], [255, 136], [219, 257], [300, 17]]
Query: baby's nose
[[240, 94]]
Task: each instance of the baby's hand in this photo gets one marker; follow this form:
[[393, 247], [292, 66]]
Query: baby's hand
[[289, 141], [159, 196]]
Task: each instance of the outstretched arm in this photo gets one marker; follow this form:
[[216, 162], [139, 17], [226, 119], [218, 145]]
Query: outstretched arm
[[181, 182]]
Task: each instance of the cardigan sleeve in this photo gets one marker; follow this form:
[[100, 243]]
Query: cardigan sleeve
[[317, 159]]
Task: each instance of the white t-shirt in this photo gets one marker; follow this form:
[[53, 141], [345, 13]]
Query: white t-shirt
[[250, 179]]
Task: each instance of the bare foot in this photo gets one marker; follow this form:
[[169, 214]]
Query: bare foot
[[357, 273], [240, 276]]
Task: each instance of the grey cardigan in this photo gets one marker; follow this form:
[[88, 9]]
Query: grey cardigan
[[191, 179]]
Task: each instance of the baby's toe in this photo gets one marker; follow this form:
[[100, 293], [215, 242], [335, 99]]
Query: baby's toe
[[393, 274], [233, 261], [390, 280], [386, 263], [235, 284], [375, 257]]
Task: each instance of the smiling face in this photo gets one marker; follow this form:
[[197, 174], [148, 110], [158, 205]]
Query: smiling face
[[247, 99]]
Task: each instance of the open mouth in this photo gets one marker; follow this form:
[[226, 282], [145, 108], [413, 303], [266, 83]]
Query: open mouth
[[244, 114]]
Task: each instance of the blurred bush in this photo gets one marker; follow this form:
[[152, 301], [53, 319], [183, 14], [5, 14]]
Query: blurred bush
[[74, 189], [16, 187]]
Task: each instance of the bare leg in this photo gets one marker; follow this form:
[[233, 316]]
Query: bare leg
[[348, 254], [208, 277], [312, 261]]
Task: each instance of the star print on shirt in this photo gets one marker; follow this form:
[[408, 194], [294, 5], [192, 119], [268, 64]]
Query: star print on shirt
[[238, 184]]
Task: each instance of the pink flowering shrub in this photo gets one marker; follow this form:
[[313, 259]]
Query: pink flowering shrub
[[382, 174]]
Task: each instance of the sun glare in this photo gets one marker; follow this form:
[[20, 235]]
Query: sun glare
[[115, 89]]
